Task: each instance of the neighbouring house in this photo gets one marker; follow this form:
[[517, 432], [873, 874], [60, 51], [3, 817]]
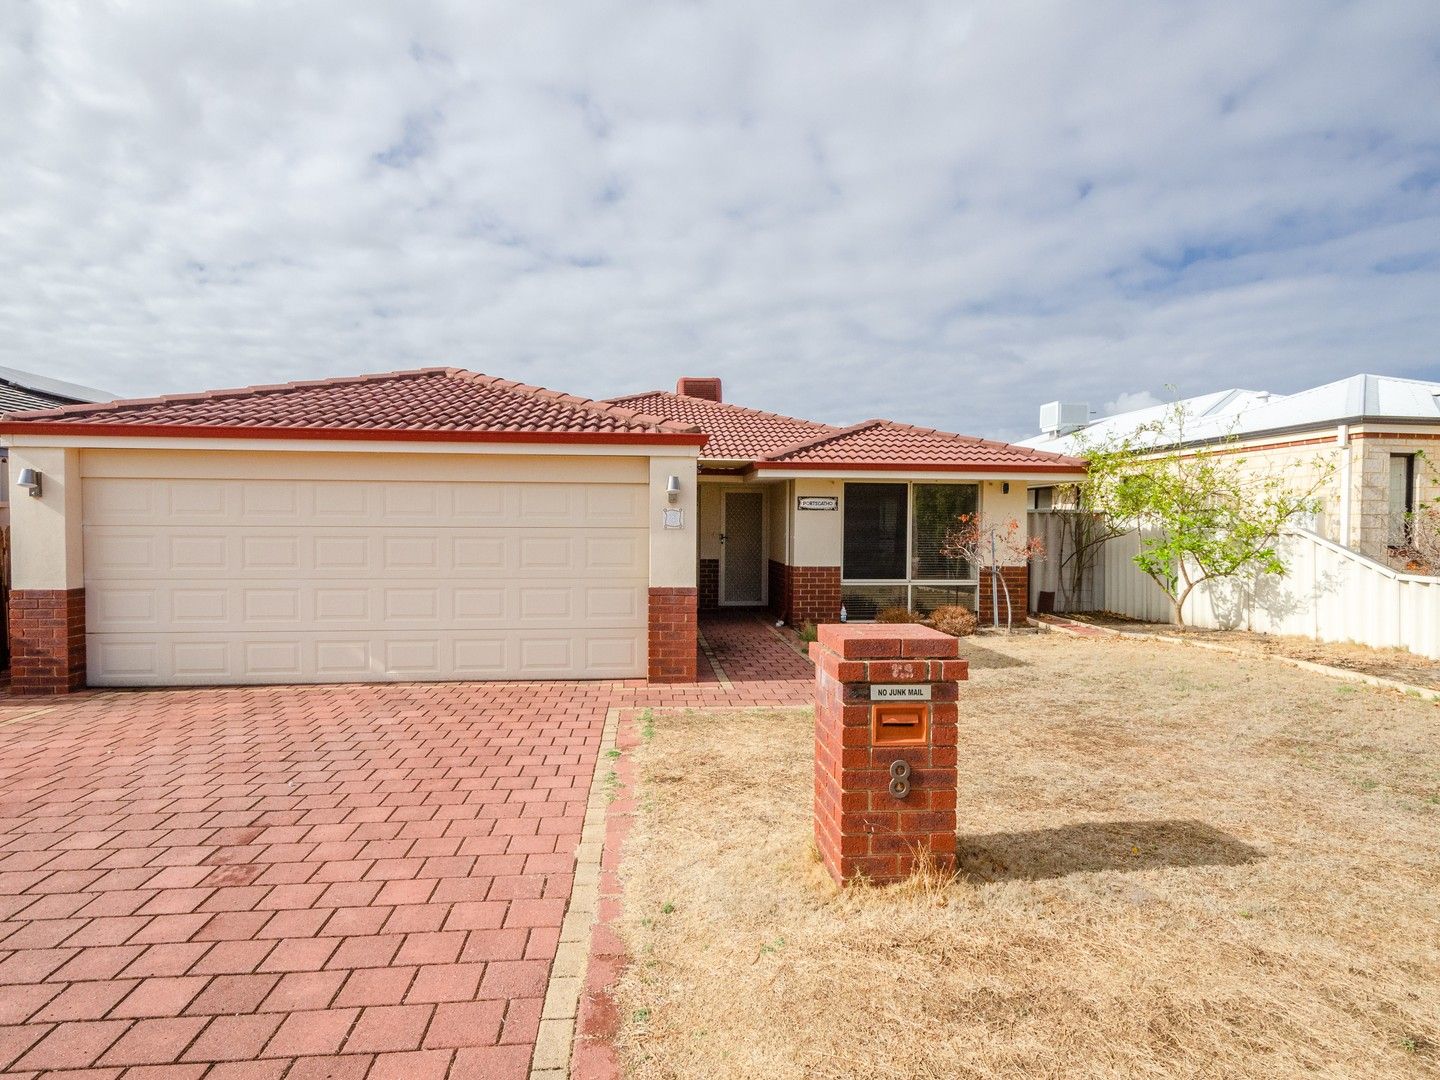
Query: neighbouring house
[[1363, 440], [442, 524]]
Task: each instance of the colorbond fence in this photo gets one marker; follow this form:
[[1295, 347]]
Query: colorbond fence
[[1329, 593]]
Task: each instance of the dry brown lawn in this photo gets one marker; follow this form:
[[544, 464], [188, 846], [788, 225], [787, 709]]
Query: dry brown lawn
[[1398, 664], [1176, 863]]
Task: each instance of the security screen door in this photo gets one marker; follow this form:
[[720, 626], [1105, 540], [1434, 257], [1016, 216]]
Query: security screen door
[[742, 548]]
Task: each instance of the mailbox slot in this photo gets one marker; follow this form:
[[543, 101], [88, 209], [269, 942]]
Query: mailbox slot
[[899, 724]]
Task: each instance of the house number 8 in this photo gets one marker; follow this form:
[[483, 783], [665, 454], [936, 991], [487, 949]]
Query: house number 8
[[900, 778]]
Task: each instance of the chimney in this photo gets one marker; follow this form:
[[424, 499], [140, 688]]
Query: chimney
[[708, 389]]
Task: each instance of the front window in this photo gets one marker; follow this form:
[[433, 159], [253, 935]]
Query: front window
[[876, 531], [894, 540]]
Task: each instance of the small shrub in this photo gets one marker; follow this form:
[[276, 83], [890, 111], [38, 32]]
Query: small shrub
[[808, 632], [956, 620], [898, 615]]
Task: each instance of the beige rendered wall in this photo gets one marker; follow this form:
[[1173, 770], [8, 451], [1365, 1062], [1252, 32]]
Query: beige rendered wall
[[999, 508], [819, 534], [779, 507], [672, 551], [46, 540]]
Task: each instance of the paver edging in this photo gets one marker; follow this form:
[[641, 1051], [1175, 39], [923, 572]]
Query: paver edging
[[593, 1055], [1070, 628], [552, 1059]]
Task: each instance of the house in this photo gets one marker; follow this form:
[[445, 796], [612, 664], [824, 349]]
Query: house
[[1363, 442], [26, 390], [442, 524]]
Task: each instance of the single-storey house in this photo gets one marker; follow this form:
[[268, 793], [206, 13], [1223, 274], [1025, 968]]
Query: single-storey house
[[442, 524], [1361, 442]]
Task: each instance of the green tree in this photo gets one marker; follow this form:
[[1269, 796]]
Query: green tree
[[1204, 512]]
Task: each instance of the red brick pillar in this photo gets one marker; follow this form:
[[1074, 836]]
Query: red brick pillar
[[884, 695], [1018, 580], [47, 641], [674, 637]]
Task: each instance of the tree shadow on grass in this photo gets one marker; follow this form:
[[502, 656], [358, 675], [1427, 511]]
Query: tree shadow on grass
[[1084, 848]]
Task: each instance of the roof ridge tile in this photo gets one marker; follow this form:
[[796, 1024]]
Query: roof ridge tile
[[726, 405], [820, 440]]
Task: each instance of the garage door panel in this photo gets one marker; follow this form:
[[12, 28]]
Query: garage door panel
[[266, 607], [251, 581], [129, 552], [397, 656], [360, 503]]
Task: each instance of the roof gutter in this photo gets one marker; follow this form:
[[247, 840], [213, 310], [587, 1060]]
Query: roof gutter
[[201, 431], [1077, 469]]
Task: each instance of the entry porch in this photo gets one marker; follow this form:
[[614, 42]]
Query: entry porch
[[804, 549]]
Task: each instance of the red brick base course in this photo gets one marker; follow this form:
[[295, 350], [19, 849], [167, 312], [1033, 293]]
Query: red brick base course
[[812, 594], [1018, 580], [674, 635], [47, 641], [707, 577]]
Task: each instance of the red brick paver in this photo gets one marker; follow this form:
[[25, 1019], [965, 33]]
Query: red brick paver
[[336, 881]]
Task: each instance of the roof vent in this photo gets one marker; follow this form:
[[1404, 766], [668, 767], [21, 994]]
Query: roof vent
[[1062, 417], [708, 389]]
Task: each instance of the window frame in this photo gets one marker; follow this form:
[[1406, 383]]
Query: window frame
[[910, 582]]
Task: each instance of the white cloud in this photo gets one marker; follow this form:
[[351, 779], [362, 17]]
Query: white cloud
[[1129, 402], [940, 212]]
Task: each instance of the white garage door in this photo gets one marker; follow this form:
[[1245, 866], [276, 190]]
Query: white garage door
[[223, 580]]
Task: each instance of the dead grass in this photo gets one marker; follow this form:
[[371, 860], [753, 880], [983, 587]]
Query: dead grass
[[1399, 664], [1175, 864]]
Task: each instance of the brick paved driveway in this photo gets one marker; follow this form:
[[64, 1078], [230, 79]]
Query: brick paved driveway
[[279, 876], [300, 882]]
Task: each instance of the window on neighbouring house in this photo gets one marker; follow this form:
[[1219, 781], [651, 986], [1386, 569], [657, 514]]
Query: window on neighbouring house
[[1402, 498]]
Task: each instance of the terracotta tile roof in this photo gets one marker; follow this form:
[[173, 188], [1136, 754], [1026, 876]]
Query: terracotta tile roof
[[736, 433], [429, 403], [884, 444]]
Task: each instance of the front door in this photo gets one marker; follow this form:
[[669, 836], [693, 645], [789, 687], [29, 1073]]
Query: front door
[[742, 548]]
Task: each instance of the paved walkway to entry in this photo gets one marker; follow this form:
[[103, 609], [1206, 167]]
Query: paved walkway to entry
[[304, 882]]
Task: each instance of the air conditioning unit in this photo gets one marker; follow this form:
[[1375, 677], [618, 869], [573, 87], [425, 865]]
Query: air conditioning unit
[[1063, 417]]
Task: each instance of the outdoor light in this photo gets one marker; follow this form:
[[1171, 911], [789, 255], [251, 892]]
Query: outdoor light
[[30, 481], [672, 489]]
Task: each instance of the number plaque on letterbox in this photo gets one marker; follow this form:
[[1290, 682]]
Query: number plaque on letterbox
[[899, 691]]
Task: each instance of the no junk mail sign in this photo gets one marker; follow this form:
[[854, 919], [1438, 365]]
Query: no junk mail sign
[[818, 502]]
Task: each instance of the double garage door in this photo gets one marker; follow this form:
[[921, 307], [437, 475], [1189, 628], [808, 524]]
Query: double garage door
[[506, 571]]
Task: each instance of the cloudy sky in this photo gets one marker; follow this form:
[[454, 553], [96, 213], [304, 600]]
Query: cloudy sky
[[945, 213]]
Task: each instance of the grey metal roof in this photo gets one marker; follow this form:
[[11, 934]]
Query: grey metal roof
[[26, 390], [1230, 413]]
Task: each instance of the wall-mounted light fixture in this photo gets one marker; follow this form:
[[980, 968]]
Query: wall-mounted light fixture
[[672, 489], [29, 480], [1005, 488]]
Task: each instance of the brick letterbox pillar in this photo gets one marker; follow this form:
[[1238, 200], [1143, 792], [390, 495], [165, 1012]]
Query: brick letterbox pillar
[[886, 724]]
